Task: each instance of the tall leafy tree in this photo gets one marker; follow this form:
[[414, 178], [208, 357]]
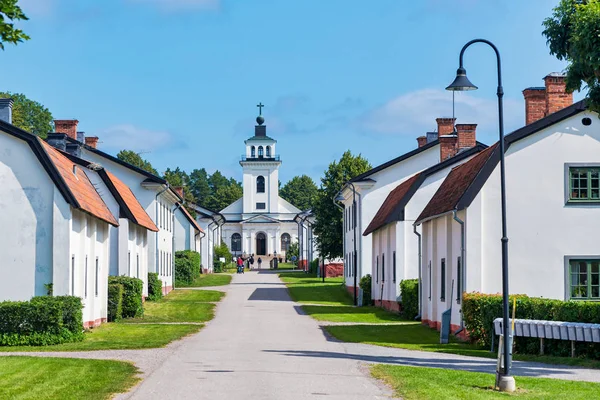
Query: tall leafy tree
[[133, 158], [10, 11], [328, 225], [573, 35], [200, 187], [179, 178], [29, 115], [224, 196], [301, 191]]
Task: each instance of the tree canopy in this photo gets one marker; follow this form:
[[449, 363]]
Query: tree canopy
[[301, 191], [29, 115], [573, 35], [133, 158], [9, 10], [329, 224]]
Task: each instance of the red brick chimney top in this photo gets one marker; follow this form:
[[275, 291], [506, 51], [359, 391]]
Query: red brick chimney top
[[422, 140], [68, 126], [445, 125], [91, 141]]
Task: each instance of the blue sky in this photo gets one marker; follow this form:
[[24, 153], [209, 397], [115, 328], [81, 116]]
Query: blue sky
[[179, 80]]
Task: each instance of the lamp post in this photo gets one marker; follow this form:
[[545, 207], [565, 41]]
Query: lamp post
[[461, 82], [340, 198]]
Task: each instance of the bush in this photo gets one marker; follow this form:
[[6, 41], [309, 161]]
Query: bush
[[41, 321], [314, 266], [409, 291], [154, 287], [187, 266], [480, 310], [217, 266], [365, 285], [222, 251], [115, 302], [132, 295]]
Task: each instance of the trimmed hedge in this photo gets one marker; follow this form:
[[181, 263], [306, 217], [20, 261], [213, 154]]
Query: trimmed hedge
[[217, 266], [365, 285], [115, 302], [132, 295], [409, 291], [480, 310], [187, 266], [154, 287], [42, 321]]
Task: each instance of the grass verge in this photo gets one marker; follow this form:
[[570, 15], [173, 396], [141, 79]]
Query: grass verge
[[307, 288], [370, 315], [432, 383], [24, 378], [181, 306], [206, 280]]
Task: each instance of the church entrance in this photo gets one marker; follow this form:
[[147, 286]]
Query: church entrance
[[261, 244]]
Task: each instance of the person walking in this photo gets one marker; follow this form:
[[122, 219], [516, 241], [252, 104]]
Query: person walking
[[252, 261], [259, 262], [240, 265]]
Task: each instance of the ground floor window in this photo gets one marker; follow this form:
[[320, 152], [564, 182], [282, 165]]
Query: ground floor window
[[443, 280], [584, 279], [394, 267], [458, 280]]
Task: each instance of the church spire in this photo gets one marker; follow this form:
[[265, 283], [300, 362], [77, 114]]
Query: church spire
[[260, 129]]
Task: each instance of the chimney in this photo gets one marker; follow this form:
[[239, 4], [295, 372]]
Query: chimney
[[422, 140], [535, 104], [68, 126], [466, 136], [431, 136], [57, 140], [179, 190], [91, 141], [557, 97], [81, 137], [6, 110], [445, 126], [447, 146]]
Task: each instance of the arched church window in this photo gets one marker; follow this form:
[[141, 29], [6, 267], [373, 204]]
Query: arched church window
[[268, 151], [236, 242], [260, 183], [260, 151], [252, 151], [285, 242]]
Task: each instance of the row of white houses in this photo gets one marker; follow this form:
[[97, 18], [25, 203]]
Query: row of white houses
[[72, 215], [434, 213]]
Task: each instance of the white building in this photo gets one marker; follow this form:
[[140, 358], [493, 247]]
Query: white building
[[187, 230], [552, 198]]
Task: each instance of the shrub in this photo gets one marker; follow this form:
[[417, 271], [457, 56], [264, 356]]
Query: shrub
[[217, 266], [115, 302], [187, 266], [480, 310], [132, 295], [409, 291], [41, 321], [154, 287], [365, 285], [314, 266]]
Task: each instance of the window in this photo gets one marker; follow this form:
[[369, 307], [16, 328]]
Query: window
[[377, 269], [443, 280], [584, 279], [268, 151], [383, 268], [96, 290], [285, 242], [260, 206], [430, 280], [85, 279], [72, 275], [236, 242], [260, 152], [584, 184], [394, 266], [458, 280], [260, 184], [252, 151]]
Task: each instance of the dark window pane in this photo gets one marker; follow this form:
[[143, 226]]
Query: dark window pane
[[595, 291]]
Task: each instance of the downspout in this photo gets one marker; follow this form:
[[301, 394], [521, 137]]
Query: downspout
[[463, 261], [208, 255], [420, 285], [157, 256], [173, 246]]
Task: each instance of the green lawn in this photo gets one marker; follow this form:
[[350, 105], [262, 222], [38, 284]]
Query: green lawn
[[181, 306], [206, 280], [119, 336], [24, 378], [307, 288], [285, 266], [431, 383], [370, 315]]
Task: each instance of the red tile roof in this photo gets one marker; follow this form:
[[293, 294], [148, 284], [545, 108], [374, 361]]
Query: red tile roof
[[80, 186], [455, 185], [140, 216], [190, 218], [390, 204]]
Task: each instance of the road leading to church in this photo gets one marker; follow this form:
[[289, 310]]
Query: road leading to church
[[256, 348]]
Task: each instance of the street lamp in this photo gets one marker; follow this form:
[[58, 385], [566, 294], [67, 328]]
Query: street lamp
[[461, 82], [340, 198]]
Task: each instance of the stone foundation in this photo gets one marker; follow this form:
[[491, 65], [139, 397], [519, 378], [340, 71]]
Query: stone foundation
[[166, 290], [388, 305], [93, 324]]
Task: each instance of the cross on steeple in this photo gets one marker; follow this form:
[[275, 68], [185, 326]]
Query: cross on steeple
[[260, 106]]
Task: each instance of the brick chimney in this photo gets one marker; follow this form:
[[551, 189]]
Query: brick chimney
[[543, 101], [466, 135], [422, 140], [535, 104], [445, 125], [447, 146], [68, 126], [179, 190], [91, 141]]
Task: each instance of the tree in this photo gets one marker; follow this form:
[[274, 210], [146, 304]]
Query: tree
[[293, 251], [29, 115], [301, 191], [8, 33], [133, 158], [573, 35], [200, 187], [328, 225], [224, 196]]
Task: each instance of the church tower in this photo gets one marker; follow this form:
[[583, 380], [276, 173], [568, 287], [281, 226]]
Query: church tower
[[261, 171]]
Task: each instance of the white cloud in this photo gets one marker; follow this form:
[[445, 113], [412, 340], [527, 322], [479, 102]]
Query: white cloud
[[415, 113], [178, 5], [130, 137]]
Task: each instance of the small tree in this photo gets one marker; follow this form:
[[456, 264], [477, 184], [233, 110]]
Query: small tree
[[29, 115], [222, 251], [133, 158], [9, 10], [293, 250]]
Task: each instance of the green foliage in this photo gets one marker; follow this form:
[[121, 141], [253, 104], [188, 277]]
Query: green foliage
[[293, 250], [573, 35], [480, 310], [133, 158], [187, 267], [222, 251], [314, 266], [365, 285], [179, 178], [115, 302], [217, 266], [154, 287], [409, 291], [42, 321], [29, 115], [132, 295], [301, 191], [49, 288], [225, 195], [328, 225], [8, 33]]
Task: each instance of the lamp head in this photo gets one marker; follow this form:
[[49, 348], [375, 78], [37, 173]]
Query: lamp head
[[461, 82], [340, 198]]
